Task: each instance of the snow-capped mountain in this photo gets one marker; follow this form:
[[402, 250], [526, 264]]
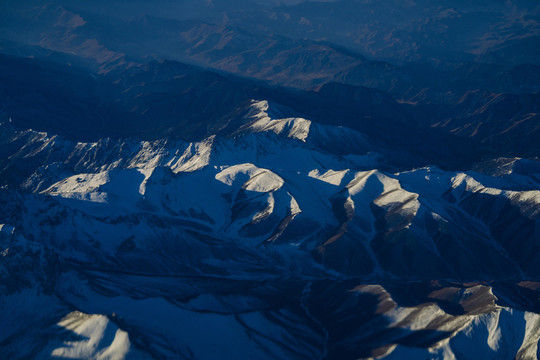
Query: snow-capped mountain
[[345, 179], [166, 241]]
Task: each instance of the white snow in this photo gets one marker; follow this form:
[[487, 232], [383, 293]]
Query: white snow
[[295, 128], [100, 339], [330, 176], [250, 177]]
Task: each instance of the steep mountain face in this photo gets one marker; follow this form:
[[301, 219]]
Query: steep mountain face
[[269, 179]]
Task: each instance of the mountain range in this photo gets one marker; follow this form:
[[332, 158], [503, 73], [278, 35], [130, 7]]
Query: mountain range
[[260, 179]]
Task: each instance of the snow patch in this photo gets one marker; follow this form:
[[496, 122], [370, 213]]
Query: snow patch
[[294, 128], [100, 339], [251, 177]]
